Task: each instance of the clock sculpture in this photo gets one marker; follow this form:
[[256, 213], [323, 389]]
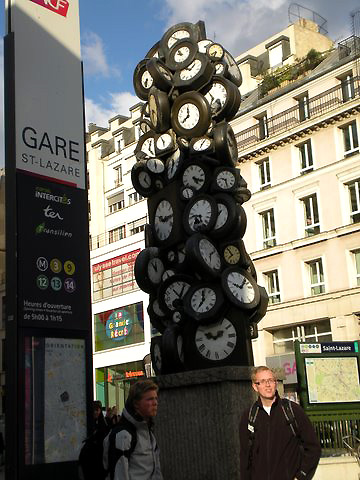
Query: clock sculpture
[[204, 299]]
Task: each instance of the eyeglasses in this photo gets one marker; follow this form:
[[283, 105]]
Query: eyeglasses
[[264, 381]]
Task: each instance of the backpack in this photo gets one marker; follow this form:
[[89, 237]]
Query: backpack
[[115, 453], [289, 416]]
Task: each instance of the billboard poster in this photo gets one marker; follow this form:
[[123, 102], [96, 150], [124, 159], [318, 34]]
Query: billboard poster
[[53, 264], [118, 327], [55, 417], [48, 85], [114, 276]]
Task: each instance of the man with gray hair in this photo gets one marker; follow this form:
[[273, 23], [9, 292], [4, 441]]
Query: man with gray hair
[[130, 449]]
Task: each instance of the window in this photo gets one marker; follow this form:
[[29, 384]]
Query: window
[[117, 234], [87, 179], [264, 173], [273, 288], [356, 254], [354, 192], [304, 112], [306, 159], [347, 87], [120, 144], [311, 212], [116, 203], [137, 226], [316, 272], [135, 197], [268, 224], [118, 175], [276, 56], [351, 143], [284, 338], [89, 210], [263, 126]]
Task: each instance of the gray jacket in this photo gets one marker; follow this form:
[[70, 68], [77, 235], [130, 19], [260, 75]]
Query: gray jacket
[[144, 461]]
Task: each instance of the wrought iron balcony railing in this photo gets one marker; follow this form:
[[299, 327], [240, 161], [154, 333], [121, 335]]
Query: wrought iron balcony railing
[[292, 117]]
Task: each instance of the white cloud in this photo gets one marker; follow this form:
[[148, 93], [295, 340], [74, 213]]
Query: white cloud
[[94, 57], [237, 25], [241, 24], [119, 104]]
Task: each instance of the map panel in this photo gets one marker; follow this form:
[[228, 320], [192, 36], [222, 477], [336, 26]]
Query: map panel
[[332, 380], [65, 399]]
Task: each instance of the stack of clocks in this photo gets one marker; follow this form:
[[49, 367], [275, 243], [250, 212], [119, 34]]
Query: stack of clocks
[[204, 299]]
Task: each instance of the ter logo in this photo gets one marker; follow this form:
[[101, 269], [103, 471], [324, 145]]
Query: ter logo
[[58, 6]]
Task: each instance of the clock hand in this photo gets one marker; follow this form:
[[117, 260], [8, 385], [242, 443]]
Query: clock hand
[[196, 179], [202, 298]]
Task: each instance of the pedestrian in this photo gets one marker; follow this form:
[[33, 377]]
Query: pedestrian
[[277, 440], [130, 449], [91, 454]]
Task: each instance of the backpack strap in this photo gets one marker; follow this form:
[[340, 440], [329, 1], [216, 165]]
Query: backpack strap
[[253, 412], [289, 415], [116, 453]]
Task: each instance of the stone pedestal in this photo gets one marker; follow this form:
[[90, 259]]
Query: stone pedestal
[[197, 427]]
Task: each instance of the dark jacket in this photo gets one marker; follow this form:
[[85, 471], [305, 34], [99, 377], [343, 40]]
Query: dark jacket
[[276, 452]]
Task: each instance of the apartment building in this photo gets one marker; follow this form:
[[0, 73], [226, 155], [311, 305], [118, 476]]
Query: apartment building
[[297, 133]]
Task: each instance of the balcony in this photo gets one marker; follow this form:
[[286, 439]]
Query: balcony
[[326, 102]]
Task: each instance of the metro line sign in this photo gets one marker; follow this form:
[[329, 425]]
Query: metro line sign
[[58, 6]]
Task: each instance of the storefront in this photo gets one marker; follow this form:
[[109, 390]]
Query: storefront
[[113, 383]]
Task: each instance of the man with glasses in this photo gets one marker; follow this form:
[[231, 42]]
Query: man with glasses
[[276, 443]]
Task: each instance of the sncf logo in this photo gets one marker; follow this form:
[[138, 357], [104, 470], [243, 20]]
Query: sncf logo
[[58, 6]]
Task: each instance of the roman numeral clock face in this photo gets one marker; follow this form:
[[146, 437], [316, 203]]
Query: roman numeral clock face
[[216, 341]]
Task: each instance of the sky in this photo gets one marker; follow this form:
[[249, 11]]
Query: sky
[[116, 34]]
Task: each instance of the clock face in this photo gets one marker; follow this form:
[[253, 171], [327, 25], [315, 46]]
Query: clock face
[[157, 310], [203, 44], [202, 144], [155, 269], [200, 215], [165, 73], [191, 71], [172, 164], [232, 144], [181, 54], [144, 180], [164, 141], [216, 96], [178, 35], [157, 357], [223, 215], [194, 176], [180, 347], [225, 179], [209, 254], [187, 193], [153, 110], [203, 299], [167, 274], [174, 293], [240, 287], [217, 341], [155, 165], [215, 51], [188, 116], [146, 80], [148, 147], [219, 68], [232, 254], [164, 219]]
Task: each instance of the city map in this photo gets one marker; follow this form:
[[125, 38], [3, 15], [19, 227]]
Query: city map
[[332, 380], [65, 415]]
